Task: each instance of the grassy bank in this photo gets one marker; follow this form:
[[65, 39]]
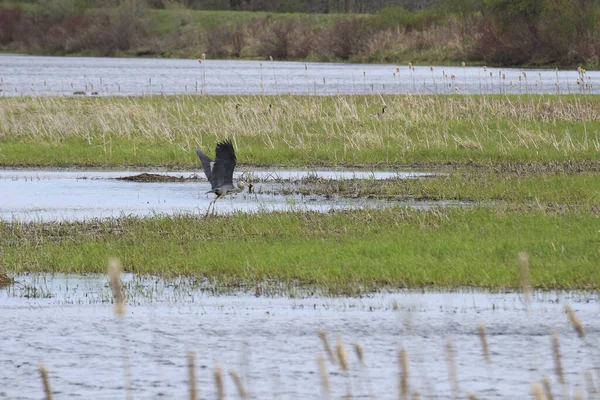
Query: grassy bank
[[302, 131], [336, 251]]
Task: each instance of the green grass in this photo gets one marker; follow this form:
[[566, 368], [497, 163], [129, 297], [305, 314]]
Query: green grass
[[339, 251], [301, 131]]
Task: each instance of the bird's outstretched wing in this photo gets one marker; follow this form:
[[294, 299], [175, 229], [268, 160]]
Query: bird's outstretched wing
[[207, 165], [222, 170]]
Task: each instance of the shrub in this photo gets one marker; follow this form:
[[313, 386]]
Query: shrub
[[10, 18], [344, 38]]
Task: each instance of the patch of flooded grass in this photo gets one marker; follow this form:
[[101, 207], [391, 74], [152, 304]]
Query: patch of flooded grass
[[336, 252], [464, 185], [484, 130]]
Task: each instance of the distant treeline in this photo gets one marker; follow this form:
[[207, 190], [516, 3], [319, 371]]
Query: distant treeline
[[495, 32]]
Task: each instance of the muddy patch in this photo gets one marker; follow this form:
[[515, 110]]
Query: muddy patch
[[147, 177]]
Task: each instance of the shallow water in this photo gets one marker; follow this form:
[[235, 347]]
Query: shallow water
[[38, 76], [39, 195], [68, 323]]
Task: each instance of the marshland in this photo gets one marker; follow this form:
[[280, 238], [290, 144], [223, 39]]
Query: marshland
[[445, 246]]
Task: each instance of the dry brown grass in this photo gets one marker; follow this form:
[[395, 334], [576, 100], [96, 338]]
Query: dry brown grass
[[338, 126], [4, 278]]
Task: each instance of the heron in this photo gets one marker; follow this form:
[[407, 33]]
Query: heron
[[219, 172]]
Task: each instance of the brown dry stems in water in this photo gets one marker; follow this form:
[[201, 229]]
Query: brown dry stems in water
[[359, 353], [45, 381], [537, 391], [218, 373], [525, 283], [341, 354], [575, 321], [324, 377], [192, 374], [484, 344], [547, 388], [403, 360], [237, 379], [450, 352], [114, 272], [558, 369], [323, 336]]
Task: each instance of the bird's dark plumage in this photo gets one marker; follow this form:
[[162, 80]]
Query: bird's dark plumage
[[220, 171]]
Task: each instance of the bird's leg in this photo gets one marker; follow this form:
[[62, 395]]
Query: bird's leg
[[210, 204], [214, 201]]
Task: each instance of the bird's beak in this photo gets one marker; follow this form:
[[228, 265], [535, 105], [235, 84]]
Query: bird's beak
[[250, 187]]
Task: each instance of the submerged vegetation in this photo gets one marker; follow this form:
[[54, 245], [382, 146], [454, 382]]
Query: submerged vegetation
[[543, 131], [339, 251]]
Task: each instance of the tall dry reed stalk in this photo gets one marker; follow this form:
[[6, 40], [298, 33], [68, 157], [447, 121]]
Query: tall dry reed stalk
[[547, 388], [323, 336], [558, 368], [237, 380], [325, 391], [219, 384], [575, 321], [452, 372], [404, 388], [45, 381], [537, 391], [191, 358], [342, 356], [484, 344], [524, 277], [114, 272]]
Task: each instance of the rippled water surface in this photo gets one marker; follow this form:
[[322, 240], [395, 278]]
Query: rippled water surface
[[38, 195], [34, 75], [68, 323]]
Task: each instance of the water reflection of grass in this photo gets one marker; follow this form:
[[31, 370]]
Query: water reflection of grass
[[339, 251], [302, 130]]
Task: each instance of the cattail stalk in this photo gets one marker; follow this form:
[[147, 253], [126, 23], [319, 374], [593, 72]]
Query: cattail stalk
[[324, 377], [450, 352], [547, 388], [45, 381], [218, 374], [525, 282], [237, 380], [575, 321], [191, 357], [341, 354], [323, 337], [558, 369], [403, 361], [359, 353], [484, 344], [537, 391], [114, 272]]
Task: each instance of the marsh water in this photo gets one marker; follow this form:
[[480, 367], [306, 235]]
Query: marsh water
[[36, 75], [40, 195], [271, 340]]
